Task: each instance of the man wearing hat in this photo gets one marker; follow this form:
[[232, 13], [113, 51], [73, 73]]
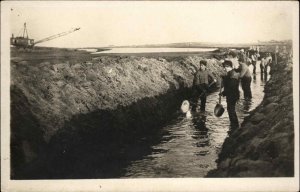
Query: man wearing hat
[[242, 57], [200, 84], [245, 74], [230, 85]]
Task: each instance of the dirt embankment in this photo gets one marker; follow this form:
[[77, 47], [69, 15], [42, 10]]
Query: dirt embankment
[[53, 97], [57, 91], [264, 145]]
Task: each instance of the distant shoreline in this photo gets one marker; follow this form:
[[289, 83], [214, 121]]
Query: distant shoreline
[[180, 45], [197, 45]]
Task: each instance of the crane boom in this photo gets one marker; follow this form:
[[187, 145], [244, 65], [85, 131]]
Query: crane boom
[[56, 36]]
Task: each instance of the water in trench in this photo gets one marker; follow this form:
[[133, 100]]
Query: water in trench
[[190, 146], [123, 146]]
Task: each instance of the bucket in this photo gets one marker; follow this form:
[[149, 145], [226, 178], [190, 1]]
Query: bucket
[[219, 109], [185, 106]]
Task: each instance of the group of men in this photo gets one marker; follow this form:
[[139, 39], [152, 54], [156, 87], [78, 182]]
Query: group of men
[[236, 72], [252, 56]]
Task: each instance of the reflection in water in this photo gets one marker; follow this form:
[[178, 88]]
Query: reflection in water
[[183, 152], [190, 146], [201, 133], [264, 77], [247, 104]]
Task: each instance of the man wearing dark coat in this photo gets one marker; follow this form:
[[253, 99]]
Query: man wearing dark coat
[[230, 84]]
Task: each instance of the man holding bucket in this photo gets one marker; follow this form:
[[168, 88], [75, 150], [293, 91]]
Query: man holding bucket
[[231, 92]]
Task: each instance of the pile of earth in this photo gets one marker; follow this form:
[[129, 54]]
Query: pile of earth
[[56, 92]]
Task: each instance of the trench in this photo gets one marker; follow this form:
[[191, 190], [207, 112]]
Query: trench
[[190, 145], [100, 144], [150, 138]]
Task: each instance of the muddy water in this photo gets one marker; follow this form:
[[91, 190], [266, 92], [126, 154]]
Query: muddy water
[[190, 146]]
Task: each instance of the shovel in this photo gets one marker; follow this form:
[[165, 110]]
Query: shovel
[[219, 109]]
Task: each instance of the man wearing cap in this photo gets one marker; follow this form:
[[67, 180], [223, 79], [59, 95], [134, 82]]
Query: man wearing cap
[[200, 84], [242, 57], [245, 74], [230, 84]]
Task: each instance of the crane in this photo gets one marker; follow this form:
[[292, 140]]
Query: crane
[[22, 41], [25, 42], [56, 36]]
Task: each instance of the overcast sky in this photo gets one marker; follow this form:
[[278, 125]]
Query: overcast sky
[[130, 23]]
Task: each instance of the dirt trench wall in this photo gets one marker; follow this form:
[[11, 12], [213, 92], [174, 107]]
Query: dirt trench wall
[[56, 92], [264, 146], [63, 100], [100, 144]]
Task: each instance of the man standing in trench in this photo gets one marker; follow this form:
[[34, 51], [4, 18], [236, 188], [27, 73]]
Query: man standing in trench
[[244, 72], [230, 83], [201, 85]]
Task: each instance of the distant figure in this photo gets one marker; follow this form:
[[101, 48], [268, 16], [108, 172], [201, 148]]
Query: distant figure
[[264, 64], [284, 50], [231, 92], [200, 84], [245, 75], [254, 60], [257, 49], [242, 56], [269, 59], [248, 60]]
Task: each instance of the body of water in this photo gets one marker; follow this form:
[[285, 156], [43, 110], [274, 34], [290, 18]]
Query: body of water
[[190, 146], [155, 50], [89, 50]]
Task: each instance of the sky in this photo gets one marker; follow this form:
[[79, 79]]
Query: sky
[[137, 23]]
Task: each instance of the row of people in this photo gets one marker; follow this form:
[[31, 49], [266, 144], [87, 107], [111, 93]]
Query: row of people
[[236, 72], [252, 57]]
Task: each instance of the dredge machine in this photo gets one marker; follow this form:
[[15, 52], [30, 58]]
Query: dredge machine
[[25, 42]]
